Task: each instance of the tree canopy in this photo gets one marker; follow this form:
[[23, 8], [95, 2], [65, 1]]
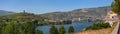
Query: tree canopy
[[116, 6], [62, 30], [71, 29], [53, 30]]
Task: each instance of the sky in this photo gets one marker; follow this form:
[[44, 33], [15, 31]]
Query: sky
[[46, 6]]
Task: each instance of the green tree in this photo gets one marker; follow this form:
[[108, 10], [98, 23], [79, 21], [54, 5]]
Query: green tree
[[62, 30], [2, 24], [10, 28], [27, 27], [53, 30], [18, 28], [39, 32], [71, 29], [116, 6]]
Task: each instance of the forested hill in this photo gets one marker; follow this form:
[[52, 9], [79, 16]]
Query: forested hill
[[20, 23], [96, 12], [22, 17]]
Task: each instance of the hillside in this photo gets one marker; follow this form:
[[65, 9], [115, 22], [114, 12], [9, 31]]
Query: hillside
[[15, 23], [29, 17], [22, 17], [97, 12], [3, 12]]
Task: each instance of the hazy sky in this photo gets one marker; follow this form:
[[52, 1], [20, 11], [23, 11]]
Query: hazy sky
[[45, 6]]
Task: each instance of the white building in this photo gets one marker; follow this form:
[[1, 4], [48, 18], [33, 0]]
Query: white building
[[76, 19]]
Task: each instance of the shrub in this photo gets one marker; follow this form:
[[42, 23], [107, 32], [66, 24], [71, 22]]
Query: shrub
[[71, 29], [98, 26], [62, 30], [53, 30]]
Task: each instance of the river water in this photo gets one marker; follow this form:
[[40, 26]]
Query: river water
[[78, 26]]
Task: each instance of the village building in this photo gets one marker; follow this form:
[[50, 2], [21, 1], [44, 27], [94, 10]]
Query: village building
[[76, 19]]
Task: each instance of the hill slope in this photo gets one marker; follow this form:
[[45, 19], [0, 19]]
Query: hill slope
[[22, 17], [97, 12]]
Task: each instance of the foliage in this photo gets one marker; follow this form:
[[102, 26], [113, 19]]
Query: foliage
[[71, 29], [39, 32], [53, 30], [116, 6], [18, 28], [62, 30], [98, 26]]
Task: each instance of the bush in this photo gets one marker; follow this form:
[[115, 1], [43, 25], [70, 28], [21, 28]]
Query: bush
[[71, 29], [53, 30], [62, 30], [18, 28], [39, 32], [98, 26]]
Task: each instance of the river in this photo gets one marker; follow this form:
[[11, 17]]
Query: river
[[78, 26]]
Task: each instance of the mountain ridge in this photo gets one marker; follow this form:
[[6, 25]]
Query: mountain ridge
[[96, 12], [4, 12]]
